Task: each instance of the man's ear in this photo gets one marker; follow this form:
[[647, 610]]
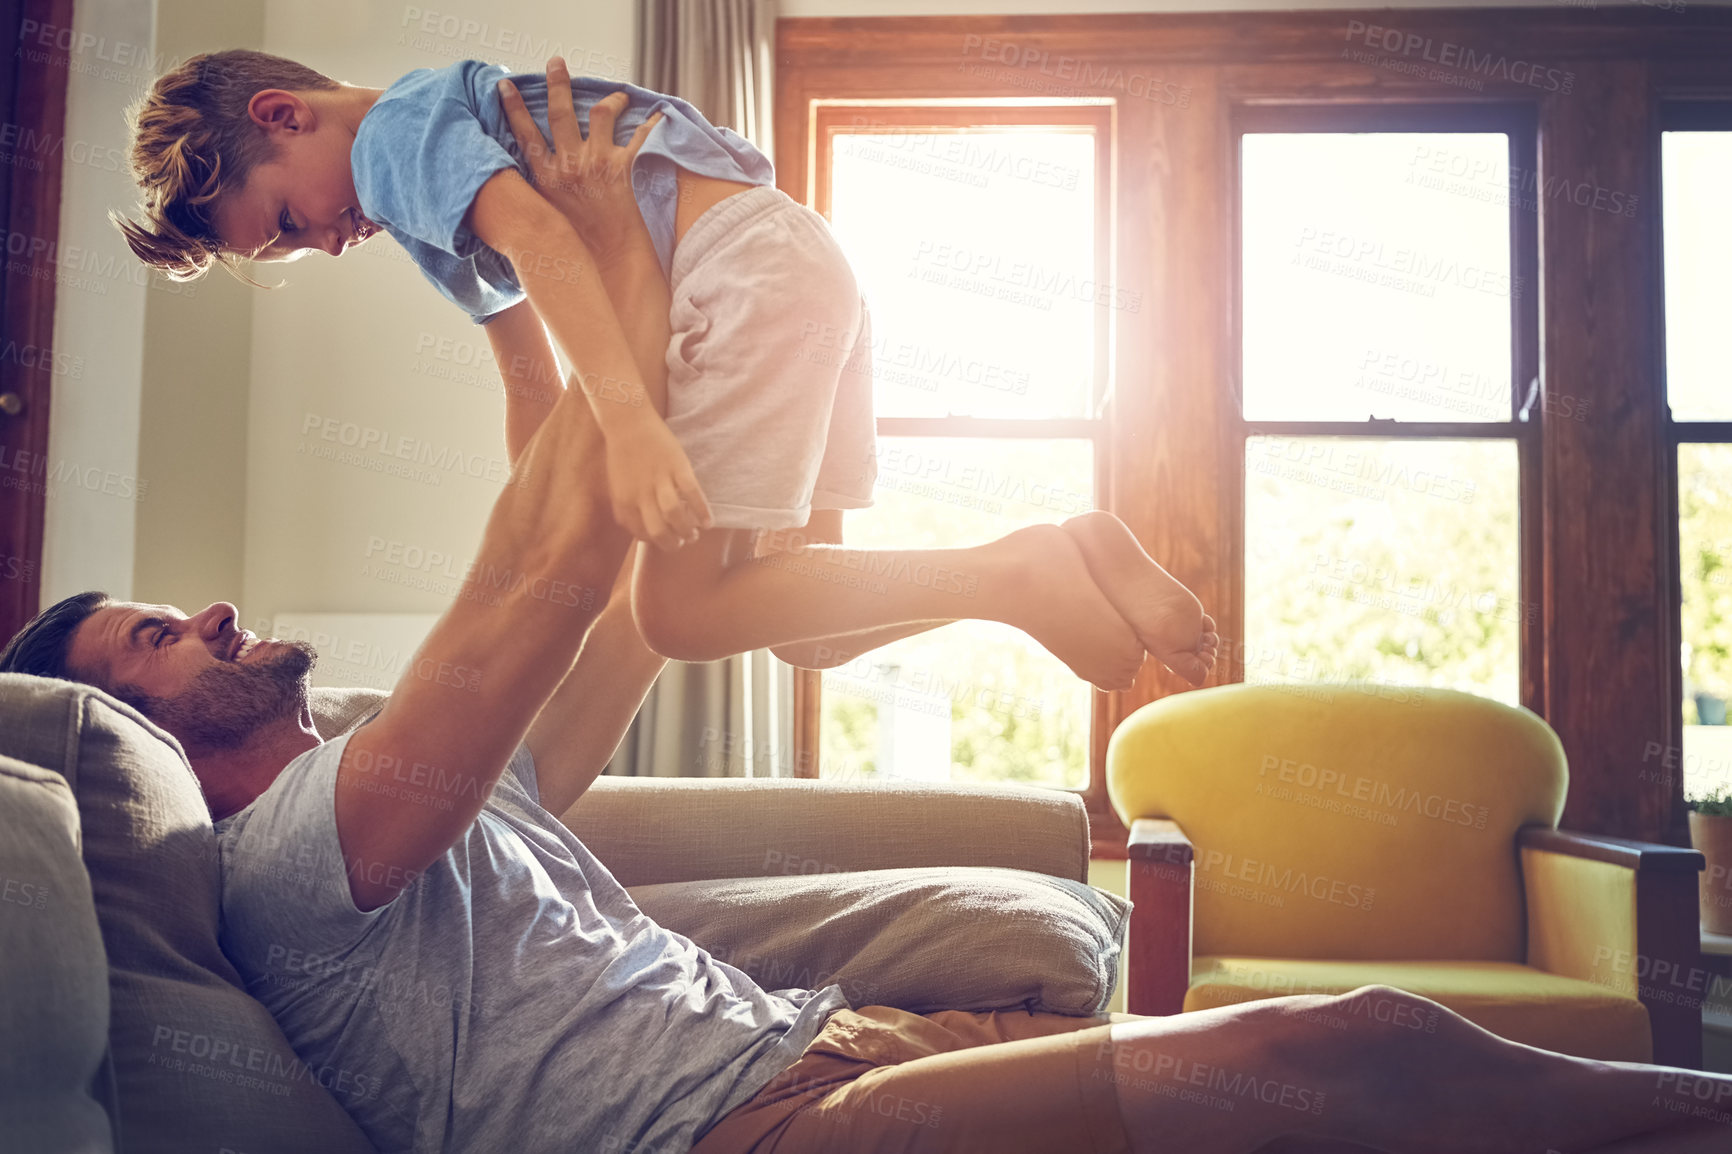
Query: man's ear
[[279, 110]]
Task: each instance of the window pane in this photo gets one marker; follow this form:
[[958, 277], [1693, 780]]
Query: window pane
[[973, 701], [1376, 276], [1388, 561], [1695, 171], [976, 252], [1705, 573]]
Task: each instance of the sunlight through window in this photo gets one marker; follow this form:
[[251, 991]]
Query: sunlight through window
[[1377, 276], [1377, 285], [976, 253], [1697, 171], [976, 250]]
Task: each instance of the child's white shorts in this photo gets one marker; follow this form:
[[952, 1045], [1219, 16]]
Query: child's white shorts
[[769, 364]]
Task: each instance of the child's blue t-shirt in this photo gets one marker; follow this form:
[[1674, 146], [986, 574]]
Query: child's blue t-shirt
[[427, 146]]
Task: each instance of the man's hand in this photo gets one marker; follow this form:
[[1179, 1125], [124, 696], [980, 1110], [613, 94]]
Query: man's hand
[[655, 494], [588, 180]]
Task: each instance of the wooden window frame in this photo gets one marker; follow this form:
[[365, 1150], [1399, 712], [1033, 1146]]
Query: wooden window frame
[[831, 118], [1278, 112], [30, 207], [1688, 108], [1606, 673]]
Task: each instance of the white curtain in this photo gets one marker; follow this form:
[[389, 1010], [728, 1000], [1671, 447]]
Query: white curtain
[[715, 53], [732, 718]]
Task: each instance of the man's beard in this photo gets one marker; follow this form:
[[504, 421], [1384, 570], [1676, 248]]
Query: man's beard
[[227, 703]]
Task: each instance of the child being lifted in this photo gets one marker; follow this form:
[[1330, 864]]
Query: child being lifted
[[683, 324]]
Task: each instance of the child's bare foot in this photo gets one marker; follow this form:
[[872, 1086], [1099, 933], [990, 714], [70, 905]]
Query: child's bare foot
[[1058, 603], [1168, 618]]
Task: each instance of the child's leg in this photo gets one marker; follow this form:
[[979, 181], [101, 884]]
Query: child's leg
[[693, 606], [825, 526], [1165, 622], [831, 652], [1114, 558]]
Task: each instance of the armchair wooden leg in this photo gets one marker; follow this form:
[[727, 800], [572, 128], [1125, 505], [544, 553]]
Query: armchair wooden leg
[[1158, 969]]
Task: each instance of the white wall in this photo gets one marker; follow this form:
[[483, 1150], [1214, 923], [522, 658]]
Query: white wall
[[197, 396], [93, 474], [192, 440], [364, 350]]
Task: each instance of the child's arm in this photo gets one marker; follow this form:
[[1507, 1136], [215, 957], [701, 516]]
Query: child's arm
[[529, 371], [633, 278], [654, 492], [589, 180]]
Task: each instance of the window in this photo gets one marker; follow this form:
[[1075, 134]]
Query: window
[[1386, 331], [1695, 164], [974, 701], [1532, 117], [978, 238]]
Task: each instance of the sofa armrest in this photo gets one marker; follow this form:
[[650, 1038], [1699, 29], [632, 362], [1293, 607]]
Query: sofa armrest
[[1158, 965], [1621, 914], [667, 829]]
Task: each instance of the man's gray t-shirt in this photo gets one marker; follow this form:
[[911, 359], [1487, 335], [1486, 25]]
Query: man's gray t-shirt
[[511, 999]]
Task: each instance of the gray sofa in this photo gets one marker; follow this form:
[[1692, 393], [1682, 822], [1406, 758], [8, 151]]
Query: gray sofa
[[129, 1030]]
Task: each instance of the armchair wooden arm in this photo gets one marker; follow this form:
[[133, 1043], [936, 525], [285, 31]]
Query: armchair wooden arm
[[1636, 855], [1622, 914], [1162, 864]]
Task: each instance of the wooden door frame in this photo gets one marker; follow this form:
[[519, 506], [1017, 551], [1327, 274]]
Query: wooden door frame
[[37, 107]]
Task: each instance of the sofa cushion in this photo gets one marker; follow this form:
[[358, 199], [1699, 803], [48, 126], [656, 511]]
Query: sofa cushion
[[199, 1064], [54, 999], [972, 938], [1517, 1002]]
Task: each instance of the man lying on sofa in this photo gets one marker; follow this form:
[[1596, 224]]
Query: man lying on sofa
[[436, 857]]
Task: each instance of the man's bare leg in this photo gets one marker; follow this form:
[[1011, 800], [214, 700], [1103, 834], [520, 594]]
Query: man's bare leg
[[1402, 1075], [693, 605], [1705, 1138]]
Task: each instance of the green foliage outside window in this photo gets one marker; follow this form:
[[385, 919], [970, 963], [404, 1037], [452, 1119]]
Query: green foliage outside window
[[1705, 571]]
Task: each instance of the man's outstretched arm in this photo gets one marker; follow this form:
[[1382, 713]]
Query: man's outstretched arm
[[548, 558], [528, 371], [584, 720], [589, 180]]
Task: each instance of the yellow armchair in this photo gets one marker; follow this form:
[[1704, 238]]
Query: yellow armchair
[[1302, 839]]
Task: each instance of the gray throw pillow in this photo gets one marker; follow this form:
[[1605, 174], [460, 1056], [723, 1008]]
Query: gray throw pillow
[[199, 1064], [336, 711], [965, 938]]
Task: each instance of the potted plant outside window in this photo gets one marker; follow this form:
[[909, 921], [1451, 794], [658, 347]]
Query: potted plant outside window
[[1711, 834]]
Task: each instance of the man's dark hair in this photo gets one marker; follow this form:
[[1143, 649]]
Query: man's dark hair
[[41, 647]]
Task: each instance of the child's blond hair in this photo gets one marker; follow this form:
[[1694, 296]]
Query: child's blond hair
[[192, 141]]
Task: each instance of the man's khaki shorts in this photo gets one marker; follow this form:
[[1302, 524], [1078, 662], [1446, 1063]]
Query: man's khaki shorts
[[876, 1080]]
